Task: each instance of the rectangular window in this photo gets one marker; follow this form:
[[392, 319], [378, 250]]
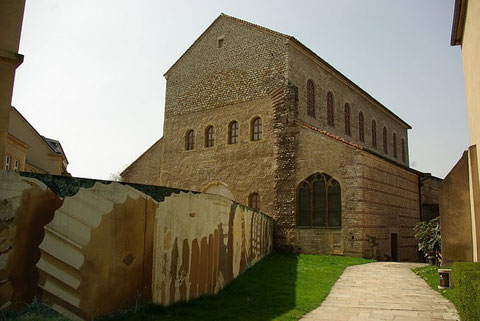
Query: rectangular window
[[7, 163], [15, 165]]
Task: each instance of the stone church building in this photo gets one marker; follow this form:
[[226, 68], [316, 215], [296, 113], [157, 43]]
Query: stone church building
[[256, 116]]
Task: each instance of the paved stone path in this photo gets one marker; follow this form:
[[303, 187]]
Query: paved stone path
[[383, 291]]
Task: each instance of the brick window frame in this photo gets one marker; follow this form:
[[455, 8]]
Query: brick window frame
[[347, 120], [233, 131], [209, 136], [385, 140], [330, 110], [190, 140], [361, 127], [256, 129], [254, 201], [394, 145], [310, 98]]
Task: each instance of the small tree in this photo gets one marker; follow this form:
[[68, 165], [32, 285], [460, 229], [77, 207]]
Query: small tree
[[429, 238]]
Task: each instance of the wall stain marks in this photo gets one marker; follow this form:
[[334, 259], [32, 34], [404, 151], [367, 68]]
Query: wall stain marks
[[90, 248], [206, 260]]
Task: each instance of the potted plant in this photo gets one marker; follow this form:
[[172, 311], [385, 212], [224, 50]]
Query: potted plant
[[429, 240]]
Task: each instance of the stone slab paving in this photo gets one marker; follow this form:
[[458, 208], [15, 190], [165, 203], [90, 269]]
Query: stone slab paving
[[383, 291]]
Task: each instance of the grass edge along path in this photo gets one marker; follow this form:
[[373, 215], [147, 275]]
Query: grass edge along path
[[279, 287], [430, 275]]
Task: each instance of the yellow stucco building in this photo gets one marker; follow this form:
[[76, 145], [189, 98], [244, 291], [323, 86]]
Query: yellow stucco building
[[460, 195], [28, 151]]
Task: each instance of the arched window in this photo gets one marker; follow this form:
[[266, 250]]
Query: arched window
[[330, 115], [209, 136], [189, 140], [361, 132], [403, 150], [257, 129], [385, 148], [254, 201], [310, 98], [347, 119], [319, 202], [374, 133], [233, 132], [394, 143]]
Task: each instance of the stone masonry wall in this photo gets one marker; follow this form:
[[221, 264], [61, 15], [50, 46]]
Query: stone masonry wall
[[146, 168], [390, 204], [245, 167], [250, 63], [378, 198], [302, 67]]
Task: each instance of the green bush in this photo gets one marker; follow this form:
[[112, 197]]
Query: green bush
[[466, 278]]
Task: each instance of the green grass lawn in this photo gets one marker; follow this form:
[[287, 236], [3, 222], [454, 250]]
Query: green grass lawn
[[430, 275], [280, 287]]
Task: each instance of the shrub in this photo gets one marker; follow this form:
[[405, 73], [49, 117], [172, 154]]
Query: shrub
[[428, 237], [466, 278]]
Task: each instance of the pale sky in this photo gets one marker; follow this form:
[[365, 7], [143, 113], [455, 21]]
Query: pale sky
[[93, 71]]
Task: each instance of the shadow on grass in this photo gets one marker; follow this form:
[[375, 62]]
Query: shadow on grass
[[280, 287]]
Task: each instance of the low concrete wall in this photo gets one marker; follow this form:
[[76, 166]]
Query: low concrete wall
[[88, 247]]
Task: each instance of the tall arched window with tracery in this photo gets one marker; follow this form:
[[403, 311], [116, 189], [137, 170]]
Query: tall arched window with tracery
[[361, 131], [319, 202], [385, 140], [256, 129], [209, 136], [347, 119], [310, 98], [189, 139], [330, 110], [254, 201], [403, 150], [233, 132], [394, 145], [374, 133]]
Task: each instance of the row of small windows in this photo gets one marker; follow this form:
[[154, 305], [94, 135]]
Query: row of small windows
[[8, 164], [233, 133], [361, 120]]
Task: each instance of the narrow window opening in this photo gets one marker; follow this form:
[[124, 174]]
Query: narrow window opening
[[385, 140], [257, 129], [374, 133], [189, 140], [310, 98], [361, 132], [233, 133], [254, 201], [347, 119], [330, 110]]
